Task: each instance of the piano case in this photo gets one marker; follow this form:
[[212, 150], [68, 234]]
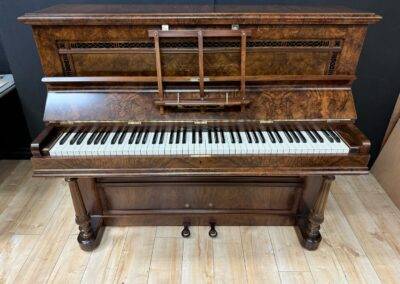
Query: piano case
[[126, 65]]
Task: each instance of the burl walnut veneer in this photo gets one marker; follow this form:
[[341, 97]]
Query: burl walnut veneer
[[108, 65]]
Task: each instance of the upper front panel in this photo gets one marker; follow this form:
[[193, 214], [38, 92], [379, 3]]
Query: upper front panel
[[199, 62], [129, 51]]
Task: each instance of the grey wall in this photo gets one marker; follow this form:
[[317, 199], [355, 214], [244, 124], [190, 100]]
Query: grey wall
[[375, 91], [4, 68]]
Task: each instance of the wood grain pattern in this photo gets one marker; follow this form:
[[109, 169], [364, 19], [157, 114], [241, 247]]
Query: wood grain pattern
[[229, 266], [39, 265], [289, 256], [166, 262], [14, 250], [350, 253], [196, 14], [191, 166], [297, 277], [372, 238], [15, 174], [40, 208], [198, 257], [71, 263], [103, 263], [280, 65], [259, 255], [136, 256], [286, 104], [353, 254]]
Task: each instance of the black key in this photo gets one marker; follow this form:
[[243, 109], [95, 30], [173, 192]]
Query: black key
[[184, 135], [313, 139], [316, 134], [248, 136], [162, 136], [255, 138], [239, 136], [200, 135], [178, 136], [328, 136], [154, 141], [294, 135], [75, 138], [232, 136], [271, 137], [171, 136], [146, 134], [132, 137], [83, 135], [98, 138], [302, 138], [278, 136], [91, 138], [261, 135], [289, 138], [209, 136], [139, 136], [115, 137], [122, 137], [222, 135], [334, 135], [105, 137], [216, 138], [193, 136], [64, 139]]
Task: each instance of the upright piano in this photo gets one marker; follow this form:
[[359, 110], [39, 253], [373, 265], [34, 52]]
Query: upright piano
[[199, 115]]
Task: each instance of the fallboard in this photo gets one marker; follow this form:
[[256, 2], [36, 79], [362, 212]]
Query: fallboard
[[274, 104]]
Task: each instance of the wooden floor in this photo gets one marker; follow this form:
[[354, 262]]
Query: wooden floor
[[361, 242]]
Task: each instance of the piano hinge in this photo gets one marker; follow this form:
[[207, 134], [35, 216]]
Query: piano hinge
[[338, 120], [63, 122], [200, 122], [266, 121], [134, 122]]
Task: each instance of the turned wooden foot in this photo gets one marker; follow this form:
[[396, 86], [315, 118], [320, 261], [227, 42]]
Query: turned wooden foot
[[89, 233], [308, 228], [86, 237]]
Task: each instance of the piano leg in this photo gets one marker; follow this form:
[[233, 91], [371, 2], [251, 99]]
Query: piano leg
[[308, 227], [88, 238]]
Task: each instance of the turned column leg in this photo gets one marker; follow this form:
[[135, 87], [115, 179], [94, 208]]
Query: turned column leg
[[86, 237], [310, 236]]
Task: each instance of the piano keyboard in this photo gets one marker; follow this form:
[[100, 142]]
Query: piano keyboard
[[201, 141]]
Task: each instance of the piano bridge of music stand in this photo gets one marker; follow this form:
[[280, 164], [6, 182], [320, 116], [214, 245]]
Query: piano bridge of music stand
[[203, 101]]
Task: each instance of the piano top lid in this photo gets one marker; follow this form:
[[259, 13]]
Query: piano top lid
[[122, 14]]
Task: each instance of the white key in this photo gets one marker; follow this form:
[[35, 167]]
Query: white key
[[341, 146], [64, 150], [97, 148], [214, 144], [150, 146], [56, 149], [81, 151], [167, 146], [106, 149], [201, 148], [273, 147]]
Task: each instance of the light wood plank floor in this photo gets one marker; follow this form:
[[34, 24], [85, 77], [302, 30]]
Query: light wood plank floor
[[361, 242]]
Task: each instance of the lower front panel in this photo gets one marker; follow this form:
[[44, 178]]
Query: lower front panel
[[188, 201], [197, 200]]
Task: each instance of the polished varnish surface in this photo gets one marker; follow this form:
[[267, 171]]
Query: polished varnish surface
[[211, 115]]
